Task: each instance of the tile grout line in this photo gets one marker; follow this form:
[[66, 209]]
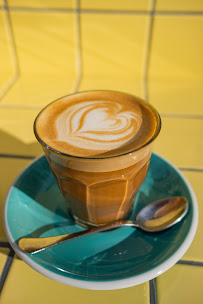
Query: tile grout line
[[191, 169], [13, 52], [17, 156], [148, 51], [5, 245], [179, 13], [186, 116], [6, 268], [79, 67], [101, 11], [20, 107], [152, 291], [189, 262], [39, 9], [12, 39]]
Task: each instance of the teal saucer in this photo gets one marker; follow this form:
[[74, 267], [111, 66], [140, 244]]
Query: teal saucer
[[115, 259]]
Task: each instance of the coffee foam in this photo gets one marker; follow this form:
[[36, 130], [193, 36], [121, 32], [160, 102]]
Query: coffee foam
[[96, 124], [99, 165]]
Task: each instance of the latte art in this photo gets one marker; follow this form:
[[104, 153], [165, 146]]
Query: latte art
[[98, 125]]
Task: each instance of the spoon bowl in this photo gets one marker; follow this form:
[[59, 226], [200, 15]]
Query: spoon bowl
[[155, 217], [162, 214]]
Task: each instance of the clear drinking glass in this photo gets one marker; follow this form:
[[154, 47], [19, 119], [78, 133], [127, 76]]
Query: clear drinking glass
[[100, 190]]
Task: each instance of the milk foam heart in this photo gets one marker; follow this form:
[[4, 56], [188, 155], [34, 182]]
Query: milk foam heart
[[97, 125]]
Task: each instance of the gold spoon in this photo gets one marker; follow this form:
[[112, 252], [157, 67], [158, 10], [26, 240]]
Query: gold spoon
[[154, 217]]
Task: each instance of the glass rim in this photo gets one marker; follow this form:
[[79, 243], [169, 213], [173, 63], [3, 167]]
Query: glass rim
[[151, 139]]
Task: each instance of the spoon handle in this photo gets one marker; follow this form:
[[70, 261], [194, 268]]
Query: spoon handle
[[33, 245]]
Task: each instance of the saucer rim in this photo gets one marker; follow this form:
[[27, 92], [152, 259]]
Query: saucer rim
[[117, 283]]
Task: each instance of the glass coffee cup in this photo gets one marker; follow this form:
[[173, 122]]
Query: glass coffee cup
[[98, 145]]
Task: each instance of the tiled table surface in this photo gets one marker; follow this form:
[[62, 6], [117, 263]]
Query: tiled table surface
[[152, 49]]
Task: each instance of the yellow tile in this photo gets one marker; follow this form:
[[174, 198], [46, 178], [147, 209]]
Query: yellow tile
[[16, 132], [180, 141], [46, 48], [4, 251], [45, 42], [176, 97], [113, 48], [38, 90], [6, 58], [180, 5], [180, 284], [176, 65], [176, 49], [116, 4], [113, 45], [195, 251], [31, 287], [42, 4], [11, 169]]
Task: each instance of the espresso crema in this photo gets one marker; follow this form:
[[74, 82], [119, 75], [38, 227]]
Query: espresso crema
[[101, 124]]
